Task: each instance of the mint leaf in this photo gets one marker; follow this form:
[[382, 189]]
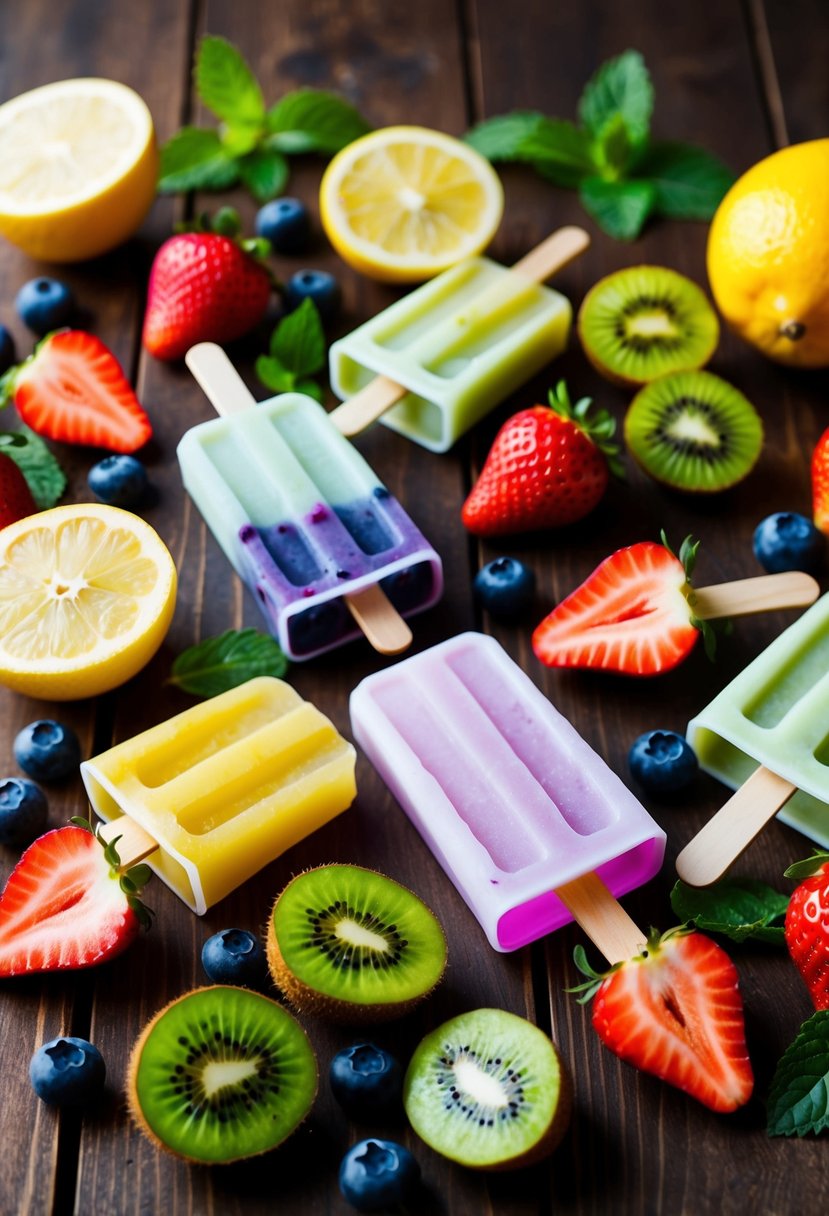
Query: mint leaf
[[44, 475], [799, 1096], [559, 151], [194, 159], [274, 375], [620, 86], [737, 908], [309, 120], [612, 150], [224, 662], [226, 84], [238, 141], [500, 138], [265, 173], [310, 388], [619, 208], [298, 341], [689, 182]]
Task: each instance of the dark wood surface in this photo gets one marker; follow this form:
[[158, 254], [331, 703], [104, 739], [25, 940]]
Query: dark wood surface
[[738, 78]]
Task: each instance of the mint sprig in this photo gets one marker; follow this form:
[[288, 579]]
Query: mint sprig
[[623, 178], [799, 1097], [740, 909], [45, 478], [218, 664], [252, 141], [296, 352]]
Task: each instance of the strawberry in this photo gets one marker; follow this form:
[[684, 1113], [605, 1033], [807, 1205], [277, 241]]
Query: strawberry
[[547, 467], [807, 925], [820, 482], [633, 614], [204, 287], [675, 1011], [15, 496], [73, 389], [65, 906]]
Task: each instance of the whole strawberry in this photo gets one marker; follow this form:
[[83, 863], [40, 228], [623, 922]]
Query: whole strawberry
[[204, 287], [820, 482], [15, 496], [807, 925], [549, 466]]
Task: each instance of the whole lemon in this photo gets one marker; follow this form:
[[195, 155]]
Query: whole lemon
[[768, 255]]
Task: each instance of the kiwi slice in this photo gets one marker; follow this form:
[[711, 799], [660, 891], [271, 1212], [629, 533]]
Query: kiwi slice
[[694, 431], [488, 1089], [351, 945], [644, 322], [221, 1074]]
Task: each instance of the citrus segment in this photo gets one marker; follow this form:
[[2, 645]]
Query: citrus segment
[[403, 203], [87, 593]]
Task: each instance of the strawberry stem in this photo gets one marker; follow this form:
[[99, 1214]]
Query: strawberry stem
[[132, 881], [599, 427], [809, 866]]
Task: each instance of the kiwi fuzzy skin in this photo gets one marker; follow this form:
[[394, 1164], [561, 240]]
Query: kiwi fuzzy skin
[[134, 1106], [311, 1003]]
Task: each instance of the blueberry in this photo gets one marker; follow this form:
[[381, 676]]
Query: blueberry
[[316, 285], [234, 956], [788, 541], [375, 1174], [366, 1080], [662, 762], [285, 223], [119, 481], [67, 1072], [45, 304], [47, 751], [505, 587], [8, 355], [23, 810]]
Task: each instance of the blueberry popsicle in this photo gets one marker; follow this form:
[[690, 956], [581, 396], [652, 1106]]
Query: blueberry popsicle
[[527, 821], [436, 362], [767, 733], [324, 547]]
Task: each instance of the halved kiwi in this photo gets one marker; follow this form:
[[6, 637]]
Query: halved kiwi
[[351, 945], [221, 1074], [694, 431], [646, 321], [488, 1089]]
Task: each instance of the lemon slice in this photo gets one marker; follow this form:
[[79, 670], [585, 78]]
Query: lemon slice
[[79, 168], [87, 594], [404, 203]]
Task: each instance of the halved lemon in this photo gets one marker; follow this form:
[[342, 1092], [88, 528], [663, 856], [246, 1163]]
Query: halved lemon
[[79, 168], [403, 203], [87, 594]]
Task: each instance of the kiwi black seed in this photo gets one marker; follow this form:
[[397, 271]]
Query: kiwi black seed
[[694, 431], [488, 1089], [351, 945], [221, 1074], [646, 321]]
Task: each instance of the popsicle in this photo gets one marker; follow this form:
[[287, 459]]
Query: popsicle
[[767, 732], [323, 546], [528, 822], [434, 363], [216, 792]]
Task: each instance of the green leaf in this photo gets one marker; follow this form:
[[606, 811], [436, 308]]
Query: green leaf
[[310, 388], [274, 375], [238, 141], [298, 341], [799, 1097], [500, 138], [619, 208], [44, 475], [612, 150], [194, 159], [226, 84], [737, 908], [689, 182], [811, 865], [620, 86], [224, 662], [559, 151], [309, 120], [265, 173]]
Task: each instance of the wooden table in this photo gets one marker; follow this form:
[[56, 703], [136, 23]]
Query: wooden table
[[740, 79]]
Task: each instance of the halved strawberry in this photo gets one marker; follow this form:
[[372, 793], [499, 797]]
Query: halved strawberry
[[631, 615], [73, 389], [65, 905], [820, 482], [675, 1011], [807, 925]]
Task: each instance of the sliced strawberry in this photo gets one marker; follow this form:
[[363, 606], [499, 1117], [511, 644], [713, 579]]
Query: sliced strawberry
[[15, 496], [676, 1011], [73, 389], [64, 907], [630, 615], [807, 925], [820, 482]]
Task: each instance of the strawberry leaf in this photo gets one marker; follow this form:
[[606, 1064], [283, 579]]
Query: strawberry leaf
[[226, 661], [799, 1097], [740, 909], [811, 865]]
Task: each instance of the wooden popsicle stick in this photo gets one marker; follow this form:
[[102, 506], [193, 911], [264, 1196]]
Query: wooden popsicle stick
[[707, 857], [602, 918], [134, 844], [791, 589], [381, 393], [382, 624]]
